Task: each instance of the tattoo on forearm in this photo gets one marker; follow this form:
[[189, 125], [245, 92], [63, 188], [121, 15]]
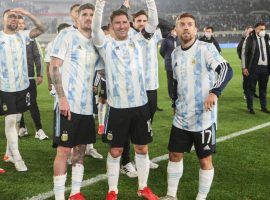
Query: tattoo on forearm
[[49, 78], [57, 81], [40, 27], [48, 74], [35, 33], [78, 154]]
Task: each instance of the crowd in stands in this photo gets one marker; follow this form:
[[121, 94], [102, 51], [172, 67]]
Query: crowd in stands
[[229, 22], [30, 5], [205, 6], [223, 15]]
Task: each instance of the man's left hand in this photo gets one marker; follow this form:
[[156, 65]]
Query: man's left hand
[[39, 80], [210, 102]]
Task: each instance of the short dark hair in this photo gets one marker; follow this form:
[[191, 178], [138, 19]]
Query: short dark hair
[[105, 28], [60, 27], [86, 6], [118, 13], [186, 15], [20, 17], [260, 24], [137, 14], [172, 28], [248, 27], [209, 27], [73, 6], [7, 10]]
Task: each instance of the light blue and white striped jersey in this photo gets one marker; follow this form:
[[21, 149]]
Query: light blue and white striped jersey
[[79, 61], [150, 50], [125, 79], [13, 61], [194, 70], [132, 32], [48, 49], [150, 58]]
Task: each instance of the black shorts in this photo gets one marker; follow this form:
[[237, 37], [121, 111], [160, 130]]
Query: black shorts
[[133, 123], [14, 102], [152, 102], [70, 133], [102, 92], [204, 141]]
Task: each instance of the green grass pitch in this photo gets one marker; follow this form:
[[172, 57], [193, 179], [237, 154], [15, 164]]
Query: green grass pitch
[[242, 169]]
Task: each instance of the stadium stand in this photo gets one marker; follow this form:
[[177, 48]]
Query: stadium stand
[[223, 15]]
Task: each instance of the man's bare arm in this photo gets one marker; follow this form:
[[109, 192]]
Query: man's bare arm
[[40, 27], [55, 65], [48, 76], [55, 75]]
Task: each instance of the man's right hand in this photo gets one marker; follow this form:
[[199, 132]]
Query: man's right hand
[[64, 107], [49, 87], [245, 72], [21, 11]]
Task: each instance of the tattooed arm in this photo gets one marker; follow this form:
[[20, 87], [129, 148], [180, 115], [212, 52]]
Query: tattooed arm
[[55, 75], [48, 76], [40, 27]]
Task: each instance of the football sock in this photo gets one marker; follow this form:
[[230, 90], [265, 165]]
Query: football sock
[[113, 167], [175, 172], [12, 137], [59, 186], [76, 178], [205, 182], [8, 153], [18, 120], [143, 166]]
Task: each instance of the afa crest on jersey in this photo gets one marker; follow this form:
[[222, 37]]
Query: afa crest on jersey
[[131, 45], [193, 61]]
